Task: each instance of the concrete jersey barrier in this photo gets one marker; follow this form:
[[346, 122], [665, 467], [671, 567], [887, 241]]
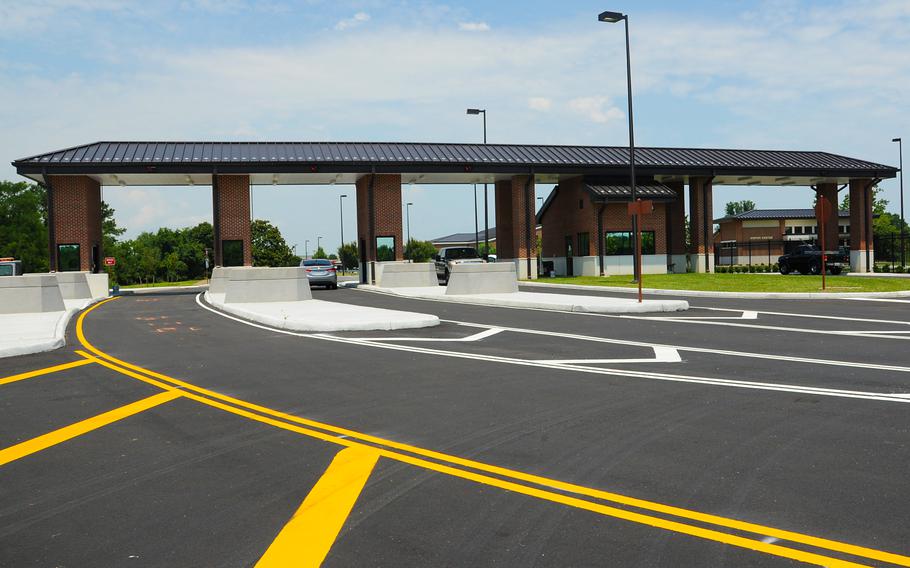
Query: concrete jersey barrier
[[254, 285], [220, 275], [496, 278], [31, 293], [407, 275], [74, 285]]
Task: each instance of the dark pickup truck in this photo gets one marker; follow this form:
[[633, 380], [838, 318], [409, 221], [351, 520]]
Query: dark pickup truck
[[807, 259]]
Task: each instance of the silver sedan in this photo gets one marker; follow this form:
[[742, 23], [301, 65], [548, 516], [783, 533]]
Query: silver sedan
[[321, 272]]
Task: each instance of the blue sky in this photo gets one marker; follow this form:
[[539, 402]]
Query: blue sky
[[778, 74]]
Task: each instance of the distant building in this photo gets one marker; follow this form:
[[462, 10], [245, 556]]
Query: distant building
[[467, 239], [761, 235]]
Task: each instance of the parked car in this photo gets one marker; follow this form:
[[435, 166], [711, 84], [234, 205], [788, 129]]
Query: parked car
[[449, 256], [808, 259], [10, 267], [321, 272]]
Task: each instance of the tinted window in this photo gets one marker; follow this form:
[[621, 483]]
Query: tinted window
[[68, 258], [317, 262], [232, 253], [457, 253], [6, 269]]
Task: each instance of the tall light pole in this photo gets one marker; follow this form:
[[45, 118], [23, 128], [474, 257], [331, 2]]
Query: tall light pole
[[486, 199], [900, 151], [407, 214], [341, 214], [612, 18], [318, 243], [306, 248]]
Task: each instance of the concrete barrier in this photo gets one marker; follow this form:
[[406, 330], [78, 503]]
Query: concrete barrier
[[99, 284], [497, 278], [31, 293], [249, 285], [406, 275], [74, 285], [220, 275]]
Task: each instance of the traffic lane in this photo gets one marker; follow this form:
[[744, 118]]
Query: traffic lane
[[818, 306], [461, 523], [733, 338], [645, 438], [179, 485], [41, 404]]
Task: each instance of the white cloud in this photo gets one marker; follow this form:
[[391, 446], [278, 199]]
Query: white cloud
[[474, 26], [593, 108], [355, 20], [539, 103]]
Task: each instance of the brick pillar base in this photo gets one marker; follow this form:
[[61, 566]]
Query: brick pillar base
[[828, 193], [378, 216], [516, 234], [702, 220], [232, 217], [76, 210], [862, 257], [676, 229]]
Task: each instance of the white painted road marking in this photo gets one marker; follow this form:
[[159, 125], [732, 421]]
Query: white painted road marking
[[622, 373], [476, 337]]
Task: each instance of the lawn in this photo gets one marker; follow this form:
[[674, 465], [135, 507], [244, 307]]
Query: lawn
[[743, 282], [162, 284]]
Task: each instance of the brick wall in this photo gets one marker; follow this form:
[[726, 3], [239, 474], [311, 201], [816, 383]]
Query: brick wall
[[511, 221], [701, 212], [77, 215], [860, 214], [386, 212], [828, 192], [676, 219], [234, 193]]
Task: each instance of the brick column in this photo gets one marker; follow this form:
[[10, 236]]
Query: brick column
[[378, 215], [702, 220], [76, 204], [862, 257], [514, 225], [828, 193], [676, 228], [231, 215]]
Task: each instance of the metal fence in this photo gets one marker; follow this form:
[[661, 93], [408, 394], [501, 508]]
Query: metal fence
[[891, 250], [730, 253]]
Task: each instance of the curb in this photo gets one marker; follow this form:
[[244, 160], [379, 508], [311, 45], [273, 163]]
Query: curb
[[712, 294], [157, 289]]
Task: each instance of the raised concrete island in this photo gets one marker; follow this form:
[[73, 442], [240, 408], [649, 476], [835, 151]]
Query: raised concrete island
[[36, 308], [482, 278], [406, 274], [281, 298]]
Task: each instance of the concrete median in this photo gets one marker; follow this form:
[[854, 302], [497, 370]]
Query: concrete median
[[406, 274], [74, 285], [257, 285], [493, 278]]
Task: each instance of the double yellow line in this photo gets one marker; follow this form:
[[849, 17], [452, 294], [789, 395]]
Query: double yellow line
[[511, 480]]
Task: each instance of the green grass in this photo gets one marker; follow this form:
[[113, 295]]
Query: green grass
[[743, 282], [162, 284]]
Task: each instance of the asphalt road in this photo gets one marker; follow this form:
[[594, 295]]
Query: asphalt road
[[503, 437]]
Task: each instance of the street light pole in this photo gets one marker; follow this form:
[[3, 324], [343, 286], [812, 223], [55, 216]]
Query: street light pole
[[612, 18], [306, 248], [318, 243], [407, 214], [341, 213], [486, 199], [900, 151]]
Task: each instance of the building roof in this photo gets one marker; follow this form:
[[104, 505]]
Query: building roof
[[115, 162], [464, 237], [624, 192], [765, 214]]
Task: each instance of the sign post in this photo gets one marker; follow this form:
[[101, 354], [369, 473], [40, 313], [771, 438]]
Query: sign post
[[110, 261], [636, 209]]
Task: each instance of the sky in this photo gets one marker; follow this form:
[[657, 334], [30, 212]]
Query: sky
[[773, 74]]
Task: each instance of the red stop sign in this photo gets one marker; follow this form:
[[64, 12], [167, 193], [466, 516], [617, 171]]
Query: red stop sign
[[110, 261]]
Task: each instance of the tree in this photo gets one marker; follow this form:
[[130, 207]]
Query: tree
[[482, 249], [23, 225], [269, 247], [349, 255], [737, 207], [419, 251], [320, 253]]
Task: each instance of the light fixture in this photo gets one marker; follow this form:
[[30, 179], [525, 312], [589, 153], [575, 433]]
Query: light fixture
[[275, 179], [190, 181], [611, 17], [474, 111], [122, 183]]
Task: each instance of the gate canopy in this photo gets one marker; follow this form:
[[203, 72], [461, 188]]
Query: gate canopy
[[325, 163]]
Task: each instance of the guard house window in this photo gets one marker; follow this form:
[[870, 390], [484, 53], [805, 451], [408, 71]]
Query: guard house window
[[581, 203], [788, 231], [385, 249], [232, 253], [584, 245], [619, 243], [798, 230], [68, 258]]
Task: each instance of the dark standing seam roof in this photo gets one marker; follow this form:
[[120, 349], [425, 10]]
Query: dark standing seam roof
[[644, 191], [464, 237], [147, 153], [768, 214]]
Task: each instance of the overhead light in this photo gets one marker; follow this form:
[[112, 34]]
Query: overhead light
[[122, 183], [114, 177], [190, 181], [611, 17], [789, 183], [785, 178], [756, 182], [275, 179], [744, 178]]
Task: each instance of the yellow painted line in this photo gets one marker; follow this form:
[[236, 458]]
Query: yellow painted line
[[307, 538], [44, 371], [735, 524], [45, 441]]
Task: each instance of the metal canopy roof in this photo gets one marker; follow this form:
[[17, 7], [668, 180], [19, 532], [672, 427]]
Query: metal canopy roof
[[319, 162], [624, 192]]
